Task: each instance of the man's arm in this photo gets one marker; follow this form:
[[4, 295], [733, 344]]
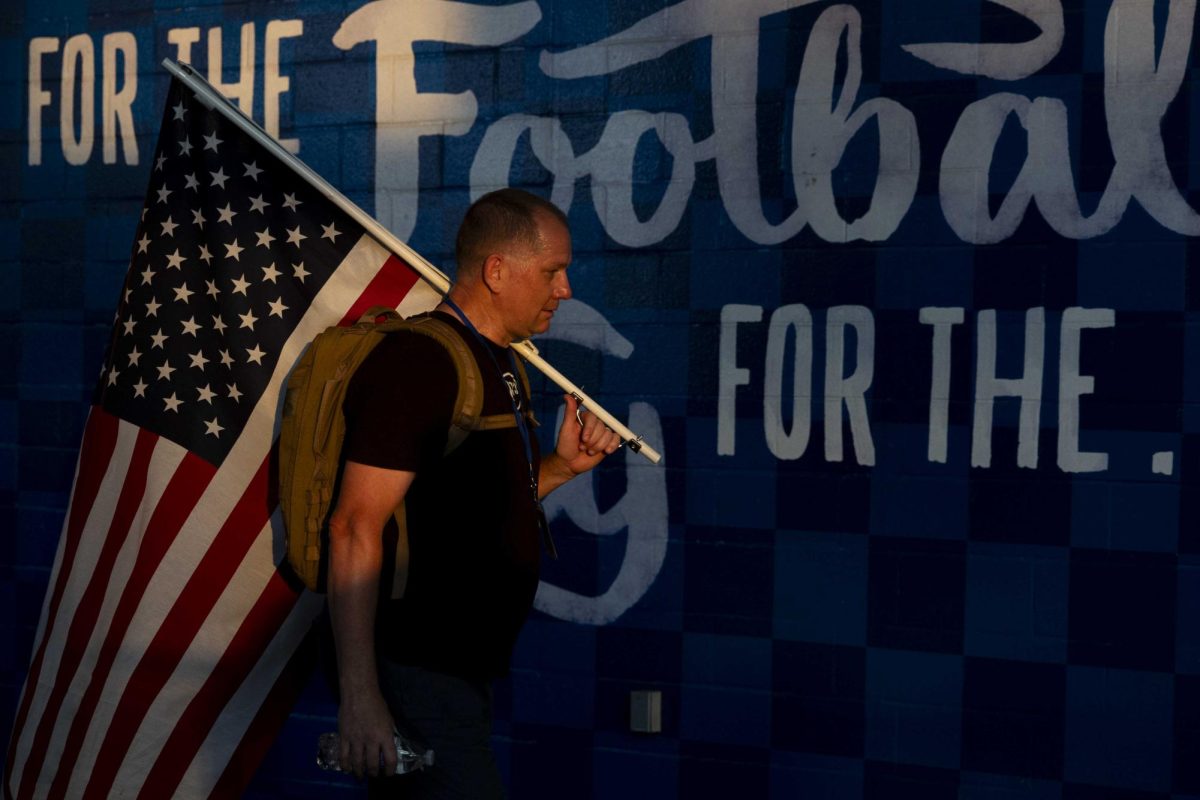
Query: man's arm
[[366, 500], [579, 448]]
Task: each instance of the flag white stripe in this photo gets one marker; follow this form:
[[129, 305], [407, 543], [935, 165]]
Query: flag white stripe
[[227, 732], [198, 661], [344, 287], [79, 573], [43, 621], [163, 462], [422, 298]]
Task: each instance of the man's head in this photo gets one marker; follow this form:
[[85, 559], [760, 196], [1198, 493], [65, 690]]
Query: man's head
[[514, 247]]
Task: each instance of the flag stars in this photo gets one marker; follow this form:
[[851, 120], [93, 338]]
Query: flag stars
[[190, 326], [143, 243], [234, 251], [248, 319], [226, 214], [226, 360], [233, 392], [182, 293], [219, 324], [134, 356], [147, 275], [179, 110], [175, 260], [265, 238], [254, 355], [277, 308], [211, 141], [295, 236], [252, 170], [163, 193], [219, 177], [152, 308], [213, 427], [139, 388], [158, 163], [206, 394], [191, 182], [164, 371], [198, 360], [185, 147], [205, 256], [112, 376], [212, 290], [258, 204], [169, 227], [330, 232], [158, 339], [290, 201], [173, 403], [198, 218], [299, 272], [240, 285], [270, 273], [129, 323]]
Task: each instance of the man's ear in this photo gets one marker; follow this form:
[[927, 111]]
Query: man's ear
[[493, 272]]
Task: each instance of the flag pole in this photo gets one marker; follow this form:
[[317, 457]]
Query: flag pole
[[432, 275]]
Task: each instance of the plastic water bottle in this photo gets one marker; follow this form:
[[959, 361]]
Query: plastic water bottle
[[409, 757]]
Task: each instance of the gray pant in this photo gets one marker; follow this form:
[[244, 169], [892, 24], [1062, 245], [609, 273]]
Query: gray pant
[[452, 716]]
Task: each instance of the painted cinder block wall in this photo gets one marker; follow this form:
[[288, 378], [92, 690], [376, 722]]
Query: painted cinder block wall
[[903, 292]]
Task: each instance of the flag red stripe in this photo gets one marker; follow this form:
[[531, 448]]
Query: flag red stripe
[[99, 439], [83, 623], [389, 286], [182, 492], [174, 636], [264, 620], [272, 715]]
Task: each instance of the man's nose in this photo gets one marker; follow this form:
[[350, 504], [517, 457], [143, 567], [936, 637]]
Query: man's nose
[[563, 290]]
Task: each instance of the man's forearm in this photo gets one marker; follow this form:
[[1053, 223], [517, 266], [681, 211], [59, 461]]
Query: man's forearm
[[355, 558]]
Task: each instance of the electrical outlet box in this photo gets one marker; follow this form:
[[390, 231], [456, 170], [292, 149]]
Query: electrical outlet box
[[645, 711]]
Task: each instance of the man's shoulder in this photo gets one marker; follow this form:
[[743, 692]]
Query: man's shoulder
[[405, 354], [407, 342]]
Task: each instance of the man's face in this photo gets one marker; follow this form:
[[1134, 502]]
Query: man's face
[[537, 280]]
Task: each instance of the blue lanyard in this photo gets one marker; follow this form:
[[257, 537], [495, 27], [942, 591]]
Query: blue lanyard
[[522, 425]]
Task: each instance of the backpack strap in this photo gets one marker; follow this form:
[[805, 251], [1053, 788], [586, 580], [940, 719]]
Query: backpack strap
[[469, 400], [493, 422], [468, 404]]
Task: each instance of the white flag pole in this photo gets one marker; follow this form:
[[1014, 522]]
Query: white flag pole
[[434, 276]]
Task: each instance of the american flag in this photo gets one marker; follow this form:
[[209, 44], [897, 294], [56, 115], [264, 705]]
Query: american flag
[[161, 664]]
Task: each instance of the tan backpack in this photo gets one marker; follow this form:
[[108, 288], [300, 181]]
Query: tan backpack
[[314, 428]]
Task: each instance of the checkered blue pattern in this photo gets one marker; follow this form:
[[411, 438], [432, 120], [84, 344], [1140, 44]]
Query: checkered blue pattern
[[908, 628]]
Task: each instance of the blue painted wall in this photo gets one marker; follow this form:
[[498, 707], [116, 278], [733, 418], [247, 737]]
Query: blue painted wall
[[902, 291]]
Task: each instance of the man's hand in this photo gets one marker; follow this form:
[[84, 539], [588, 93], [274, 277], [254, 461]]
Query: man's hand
[[365, 730], [580, 447]]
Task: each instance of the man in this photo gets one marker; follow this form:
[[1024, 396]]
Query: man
[[424, 663]]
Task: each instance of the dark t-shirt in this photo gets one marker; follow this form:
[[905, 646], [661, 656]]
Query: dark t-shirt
[[472, 523]]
